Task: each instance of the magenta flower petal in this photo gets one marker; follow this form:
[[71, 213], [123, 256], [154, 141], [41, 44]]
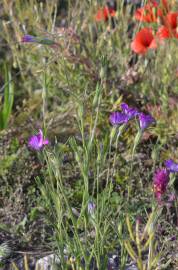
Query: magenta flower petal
[[171, 165], [33, 143], [130, 112], [40, 138], [45, 142], [36, 142], [145, 120], [117, 118], [160, 181]]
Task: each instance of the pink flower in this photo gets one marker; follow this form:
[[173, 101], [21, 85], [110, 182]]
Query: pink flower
[[37, 142], [160, 181]]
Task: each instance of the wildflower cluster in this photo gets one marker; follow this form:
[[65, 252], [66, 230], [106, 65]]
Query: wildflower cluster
[[161, 177], [128, 113], [165, 21]]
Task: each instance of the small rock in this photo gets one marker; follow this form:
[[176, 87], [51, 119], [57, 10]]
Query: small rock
[[131, 267], [47, 262]]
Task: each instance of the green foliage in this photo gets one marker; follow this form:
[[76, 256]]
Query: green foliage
[[143, 242], [6, 162], [8, 99]]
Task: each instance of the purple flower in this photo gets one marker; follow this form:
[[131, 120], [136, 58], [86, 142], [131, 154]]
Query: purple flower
[[117, 118], [37, 142], [28, 38], [91, 208], [130, 112], [145, 120], [172, 197], [173, 238], [171, 165], [40, 40], [160, 181]]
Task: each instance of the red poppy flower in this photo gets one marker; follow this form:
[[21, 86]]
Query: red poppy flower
[[162, 33], [147, 13], [143, 41], [104, 13], [151, 11], [170, 21]]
